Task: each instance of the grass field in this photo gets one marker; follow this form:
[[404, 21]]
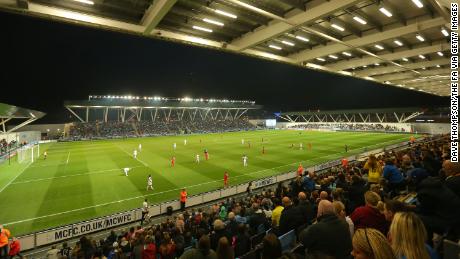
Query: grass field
[[82, 180]]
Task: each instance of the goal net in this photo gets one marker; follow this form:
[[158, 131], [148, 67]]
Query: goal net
[[28, 154]]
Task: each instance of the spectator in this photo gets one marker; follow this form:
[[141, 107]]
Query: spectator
[[242, 242], [394, 178], [150, 249], [438, 207], [15, 248], [138, 248], [4, 236], [53, 253], [369, 243], [65, 251], [219, 231], [203, 251], [452, 172], [374, 170], [86, 248], [341, 213], [356, 192], [232, 225], [290, 219], [391, 207], [308, 183], [180, 223], [167, 248], [330, 228], [276, 213], [369, 216], [224, 249], [408, 236], [323, 195], [257, 220], [271, 247], [305, 209]]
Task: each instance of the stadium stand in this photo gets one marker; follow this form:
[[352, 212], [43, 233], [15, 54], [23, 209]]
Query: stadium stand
[[350, 127], [92, 130], [246, 223]]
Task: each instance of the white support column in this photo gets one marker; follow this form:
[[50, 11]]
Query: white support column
[[334, 120], [362, 118], [106, 114], [241, 114], [378, 117], [123, 114], [397, 118], [140, 114], [87, 114], [413, 115], [236, 114], [206, 114], [194, 114], [169, 114], [183, 112], [155, 117], [76, 115], [319, 120]]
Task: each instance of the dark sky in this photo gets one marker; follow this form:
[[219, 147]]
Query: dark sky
[[46, 62]]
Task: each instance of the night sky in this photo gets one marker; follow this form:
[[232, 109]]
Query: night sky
[[46, 62]]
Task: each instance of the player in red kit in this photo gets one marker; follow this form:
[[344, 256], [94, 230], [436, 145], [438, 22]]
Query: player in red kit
[[173, 161], [263, 149], [309, 146], [206, 154], [225, 179]]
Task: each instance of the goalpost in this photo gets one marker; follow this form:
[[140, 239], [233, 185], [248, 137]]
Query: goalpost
[[29, 153]]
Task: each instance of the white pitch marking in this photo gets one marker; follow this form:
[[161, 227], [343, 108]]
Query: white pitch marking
[[170, 190]]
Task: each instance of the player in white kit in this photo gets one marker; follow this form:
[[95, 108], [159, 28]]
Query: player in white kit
[[242, 141], [149, 183], [174, 146], [135, 154], [300, 146], [140, 147], [126, 170], [185, 142], [197, 158], [245, 160]]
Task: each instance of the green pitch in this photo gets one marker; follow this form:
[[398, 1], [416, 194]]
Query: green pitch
[[83, 180]]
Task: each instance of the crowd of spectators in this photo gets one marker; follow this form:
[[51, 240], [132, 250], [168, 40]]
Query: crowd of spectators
[[395, 205], [350, 127], [5, 146], [157, 128]]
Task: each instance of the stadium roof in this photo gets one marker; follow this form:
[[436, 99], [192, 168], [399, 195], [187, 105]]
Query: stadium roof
[[399, 115], [166, 103], [395, 42], [10, 112], [356, 111]]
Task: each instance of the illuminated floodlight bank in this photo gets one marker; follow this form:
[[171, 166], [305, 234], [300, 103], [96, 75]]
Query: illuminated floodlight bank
[[159, 98]]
